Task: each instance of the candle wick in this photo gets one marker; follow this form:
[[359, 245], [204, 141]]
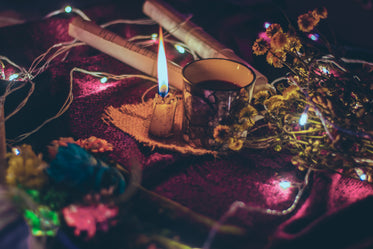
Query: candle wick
[[163, 94]]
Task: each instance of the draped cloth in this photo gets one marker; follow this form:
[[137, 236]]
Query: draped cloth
[[334, 212]]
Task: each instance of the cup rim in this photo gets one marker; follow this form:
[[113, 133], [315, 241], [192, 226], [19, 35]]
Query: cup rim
[[225, 59]]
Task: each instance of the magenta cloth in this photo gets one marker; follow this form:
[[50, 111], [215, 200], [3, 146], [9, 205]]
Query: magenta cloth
[[334, 212]]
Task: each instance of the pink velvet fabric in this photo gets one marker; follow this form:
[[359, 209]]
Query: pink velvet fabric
[[334, 212]]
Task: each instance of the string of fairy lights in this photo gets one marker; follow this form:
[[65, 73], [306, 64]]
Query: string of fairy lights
[[42, 62]]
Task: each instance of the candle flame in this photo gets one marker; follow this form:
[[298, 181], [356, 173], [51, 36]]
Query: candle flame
[[162, 67]]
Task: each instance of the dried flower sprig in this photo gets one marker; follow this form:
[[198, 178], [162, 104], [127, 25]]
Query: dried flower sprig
[[25, 168], [92, 144], [322, 114]]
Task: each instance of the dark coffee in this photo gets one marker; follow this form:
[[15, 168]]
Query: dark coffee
[[217, 85]]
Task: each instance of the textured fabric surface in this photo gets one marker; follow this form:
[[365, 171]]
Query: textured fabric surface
[[334, 212], [135, 121]]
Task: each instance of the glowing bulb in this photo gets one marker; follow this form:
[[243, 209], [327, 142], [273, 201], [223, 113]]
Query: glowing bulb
[[285, 184], [15, 151], [267, 24], [303, 119], [363, 177], [154, 36], [103, 80], [313, 37], [180, 49], [325, 70], [68, 9], [13, 76]]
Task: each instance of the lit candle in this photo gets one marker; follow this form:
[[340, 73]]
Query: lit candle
[[162, 121], [162, 67]]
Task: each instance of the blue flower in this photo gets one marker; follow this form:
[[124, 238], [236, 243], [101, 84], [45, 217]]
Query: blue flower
[[74, 167]]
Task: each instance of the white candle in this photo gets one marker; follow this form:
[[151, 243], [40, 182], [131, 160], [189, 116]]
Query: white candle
[[162, 121]]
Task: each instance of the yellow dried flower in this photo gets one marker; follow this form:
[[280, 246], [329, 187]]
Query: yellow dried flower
[[294, 45], [288, 118], [277, 148], [248, 112], [247, 123], [246, 116], [239, 127], [273, 29], [274, 98], [260, 46], [320, 13], [260, 96], [276, 107], [307, 22], [279, 41], [221, 133], [276, 59], [291, 92], [26, 169], [235, 144], [274, 103], [296, 78], [302, 72]]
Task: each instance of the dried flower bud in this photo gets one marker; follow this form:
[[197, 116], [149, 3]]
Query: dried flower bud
[[260, 97], [221, 133], [274, 103], [277, 148], [273, 29], [291, 92], [260, 46], [95, 144], [235, 144], [321, 13], [248, 112], [294, 45], [276, 59], [307, 22], [279, 41]]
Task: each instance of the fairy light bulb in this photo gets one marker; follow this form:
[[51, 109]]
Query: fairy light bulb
[[13, 76], [303, 119], [180, 49], [325, 70], [15, 151], [68, 9], [360, 173], [363, 177], [313, 37], [266, 25], [285, 185], [154, 36], [103, 80]]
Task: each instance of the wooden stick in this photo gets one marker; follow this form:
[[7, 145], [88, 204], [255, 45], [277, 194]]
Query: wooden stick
[[194, 36], [110, 43]]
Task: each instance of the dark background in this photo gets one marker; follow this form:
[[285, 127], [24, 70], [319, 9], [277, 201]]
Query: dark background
[[349, 20]]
